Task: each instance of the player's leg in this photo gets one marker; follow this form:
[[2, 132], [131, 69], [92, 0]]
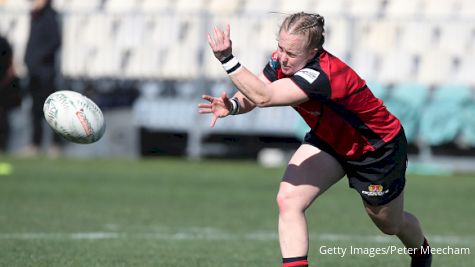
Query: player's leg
[[380, 179], [391, 219], [309, 173]]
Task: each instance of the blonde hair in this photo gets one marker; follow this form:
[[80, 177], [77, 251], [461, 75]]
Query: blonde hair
[[309, 25]]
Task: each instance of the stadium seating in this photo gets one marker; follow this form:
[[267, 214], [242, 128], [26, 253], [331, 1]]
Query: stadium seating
[[121, 6], [79, 5], [329, 7], [389, 48], [464, 73], [435, 67], [443, 116], [17, 5], [403, 9], [397, 66], [156, 6], [468, 127], [366, 8], [415, 37], [406, 101], [190, 6], [455, 37], [401, 47], [466, 9], [258, 7], [228, 7], [378, 89], [294, 6], [439, 9], [337, 36], [14, 26], [366, 63]]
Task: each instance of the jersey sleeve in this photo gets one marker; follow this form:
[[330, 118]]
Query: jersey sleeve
[[270, 70], [314, 83]]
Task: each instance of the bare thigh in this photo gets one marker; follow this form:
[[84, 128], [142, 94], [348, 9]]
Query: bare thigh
[[310, 172]]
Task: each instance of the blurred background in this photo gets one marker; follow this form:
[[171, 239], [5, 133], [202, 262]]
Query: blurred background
[[133, 198], [146, 63]]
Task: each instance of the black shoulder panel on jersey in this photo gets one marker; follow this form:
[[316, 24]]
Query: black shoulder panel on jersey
[[314, 82]]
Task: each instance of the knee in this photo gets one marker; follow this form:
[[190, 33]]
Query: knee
[[288, 203], [389, 228], [282, 201]]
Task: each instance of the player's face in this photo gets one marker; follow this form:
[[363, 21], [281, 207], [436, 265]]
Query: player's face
[[292, 53]]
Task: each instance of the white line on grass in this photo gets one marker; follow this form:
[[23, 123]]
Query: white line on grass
[[215, 234]]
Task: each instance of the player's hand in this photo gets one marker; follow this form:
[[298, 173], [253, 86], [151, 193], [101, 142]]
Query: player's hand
[[220, 42], [219, 106]]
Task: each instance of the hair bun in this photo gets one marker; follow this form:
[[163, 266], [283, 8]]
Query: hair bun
[[320, 20]]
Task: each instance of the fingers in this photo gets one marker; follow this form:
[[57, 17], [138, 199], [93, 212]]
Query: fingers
[[208, 98], [204, 105], [227, 33], [213, 121], [211, 42], [219, 37], [204, 108]]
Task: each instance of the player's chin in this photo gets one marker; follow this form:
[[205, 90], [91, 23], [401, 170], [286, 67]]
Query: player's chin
[[287, 71]]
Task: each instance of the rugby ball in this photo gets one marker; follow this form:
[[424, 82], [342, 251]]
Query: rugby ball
[[75, 117]]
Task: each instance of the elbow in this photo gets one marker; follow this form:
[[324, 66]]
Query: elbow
[[263, 102]]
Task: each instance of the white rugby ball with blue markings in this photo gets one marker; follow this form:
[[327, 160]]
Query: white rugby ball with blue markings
[[74, 116]]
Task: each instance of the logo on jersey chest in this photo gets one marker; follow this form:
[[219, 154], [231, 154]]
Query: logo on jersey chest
[[309, 75]]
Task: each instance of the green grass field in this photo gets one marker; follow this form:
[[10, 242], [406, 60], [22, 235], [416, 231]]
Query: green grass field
[[170, 212]]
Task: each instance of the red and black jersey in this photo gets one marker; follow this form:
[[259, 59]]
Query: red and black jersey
[[342, 111]]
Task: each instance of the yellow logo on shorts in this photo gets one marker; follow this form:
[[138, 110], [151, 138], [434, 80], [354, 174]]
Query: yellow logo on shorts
[[375, 190]]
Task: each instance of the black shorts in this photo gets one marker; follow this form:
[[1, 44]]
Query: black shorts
[[380, 175]]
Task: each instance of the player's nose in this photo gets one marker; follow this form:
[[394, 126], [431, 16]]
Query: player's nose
[[283, 58]]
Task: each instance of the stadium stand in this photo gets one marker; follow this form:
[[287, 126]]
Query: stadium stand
[[294, 6], [464, 73], [396, 67], [122, 6], [468, 128], [224, 8], [442, 118], [378, 89], [366, 8], [466, 9], [410, 52], [439, 9], [416, 37], [190, 6], [455, 37], [406, 101], [77, 5], [403, 9], [329, 7], [435, 67]]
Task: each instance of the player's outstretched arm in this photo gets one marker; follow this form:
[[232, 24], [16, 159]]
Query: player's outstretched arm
[[282, 92], [245, 104]]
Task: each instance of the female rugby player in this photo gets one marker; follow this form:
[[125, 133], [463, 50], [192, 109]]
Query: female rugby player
[[352, 133]]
